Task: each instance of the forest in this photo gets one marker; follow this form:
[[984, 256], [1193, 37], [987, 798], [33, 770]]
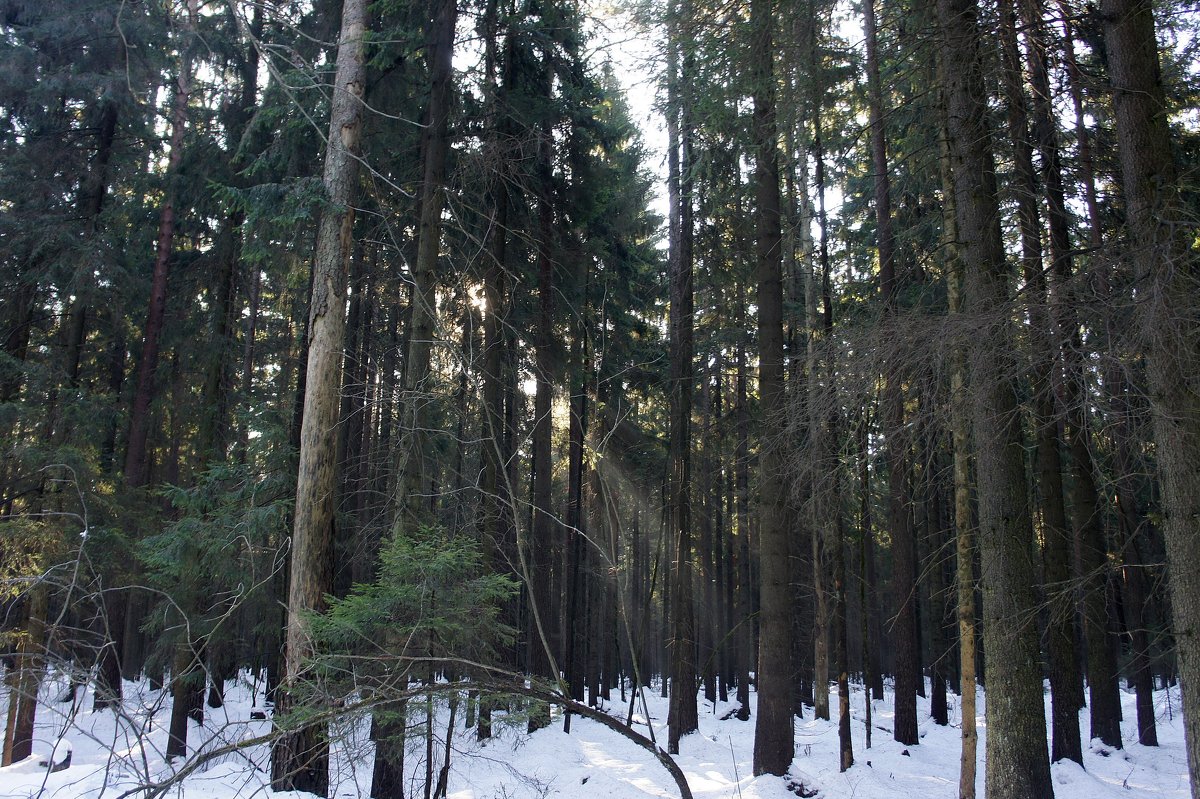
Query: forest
[[377, 360]]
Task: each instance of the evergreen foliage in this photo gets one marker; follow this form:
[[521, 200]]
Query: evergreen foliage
[[769, 439]]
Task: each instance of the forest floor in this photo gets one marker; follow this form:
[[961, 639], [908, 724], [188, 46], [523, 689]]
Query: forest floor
[[113, 753]]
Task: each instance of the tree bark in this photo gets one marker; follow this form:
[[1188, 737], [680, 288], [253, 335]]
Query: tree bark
[[741, 480], [543, 524], [1083, 496], [435, 142], [1048, 485], [773, 734], [25, 678], [1017, 762], [822, 421], [1133, 525], [300, 760], [136, 464], [1104, 705], [905, 636], [682, 716], [1166, 267]]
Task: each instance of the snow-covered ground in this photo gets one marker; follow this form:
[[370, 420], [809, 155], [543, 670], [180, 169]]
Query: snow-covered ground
[[113, 754]]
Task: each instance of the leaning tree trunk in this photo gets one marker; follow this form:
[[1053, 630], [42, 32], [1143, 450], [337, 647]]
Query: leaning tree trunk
[[1166, 266], [1017, 762], [301, 758]]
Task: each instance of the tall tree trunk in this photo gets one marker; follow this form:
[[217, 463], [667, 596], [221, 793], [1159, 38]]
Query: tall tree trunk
[[960, 430], [870, 650], [1166, 266], [300, 760], [1048, 485], [1135, 602], [1104, 704], [682, 717], [933, 528], [822, 420], [493, 482], [577, 549], [841, 654], [905, 637], [1084, 498], [1017, 762], [741, 477], [136, 464], [435, 143], [541, 634], [773, 734], [872, 639]]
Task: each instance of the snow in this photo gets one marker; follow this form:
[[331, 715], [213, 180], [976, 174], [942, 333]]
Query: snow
[[115, 752]]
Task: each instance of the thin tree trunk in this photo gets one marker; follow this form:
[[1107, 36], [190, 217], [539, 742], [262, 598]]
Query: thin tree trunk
[[682, 716], [575, 638], [960, 428], [822, 414], [905, 636], [493, 479], [542, 547], [1135, 600], [866, 606], [1132, 524], [25, 678], [1104, 704], [872, 638], [841, 645], [741, 477], [932, 536]]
